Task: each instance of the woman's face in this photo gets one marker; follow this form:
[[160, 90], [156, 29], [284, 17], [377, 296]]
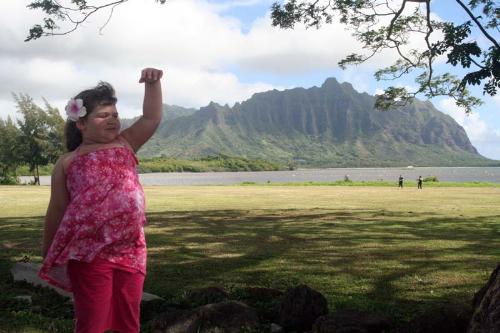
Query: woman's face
[[102, 125]]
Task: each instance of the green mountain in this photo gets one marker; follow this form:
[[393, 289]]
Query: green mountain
[[328, 126], [169, 112]]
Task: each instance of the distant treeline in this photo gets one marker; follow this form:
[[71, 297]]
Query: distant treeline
[[32, 144], [219, 162]]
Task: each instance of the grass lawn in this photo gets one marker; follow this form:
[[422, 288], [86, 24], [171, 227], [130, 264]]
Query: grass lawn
[[370, 248]]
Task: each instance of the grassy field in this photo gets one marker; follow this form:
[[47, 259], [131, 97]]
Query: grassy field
[[370, 248]]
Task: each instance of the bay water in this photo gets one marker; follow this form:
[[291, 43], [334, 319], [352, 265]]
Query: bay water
[[448, 174]]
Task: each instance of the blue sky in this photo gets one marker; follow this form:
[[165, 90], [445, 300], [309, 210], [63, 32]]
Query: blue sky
[[222, 51], [489, 113]]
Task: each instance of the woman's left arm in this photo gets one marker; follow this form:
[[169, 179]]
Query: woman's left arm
[[143, 129]]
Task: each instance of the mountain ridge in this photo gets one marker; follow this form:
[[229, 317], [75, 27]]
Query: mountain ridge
[[328, 126]]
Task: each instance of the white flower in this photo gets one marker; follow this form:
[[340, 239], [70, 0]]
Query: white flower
[[75, 109]]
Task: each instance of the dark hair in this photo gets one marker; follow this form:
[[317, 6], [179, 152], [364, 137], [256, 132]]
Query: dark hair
[[102, 94]]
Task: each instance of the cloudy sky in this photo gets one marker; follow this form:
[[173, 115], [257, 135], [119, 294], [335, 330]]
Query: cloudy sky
[[222, 51]]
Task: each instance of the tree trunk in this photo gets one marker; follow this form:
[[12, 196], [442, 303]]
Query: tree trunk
[[37, 176]]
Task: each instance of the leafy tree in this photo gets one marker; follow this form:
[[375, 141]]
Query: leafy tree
[[390, 25], [41, 133], [55, 136], [9, 151], [379, 25], [75, 12]]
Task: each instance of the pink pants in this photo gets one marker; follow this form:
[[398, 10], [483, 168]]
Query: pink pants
[[106, 296]]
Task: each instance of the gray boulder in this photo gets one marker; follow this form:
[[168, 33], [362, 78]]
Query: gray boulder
[[203, 296], [352, 321], [177, 321], [261, 294], [486, 304], [224, 317], [300, 308], [447, 318], [264, 300], [28, 272]]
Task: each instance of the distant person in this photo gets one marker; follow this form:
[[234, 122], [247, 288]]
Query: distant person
[[419, 182], [401, 179], [93, 239]]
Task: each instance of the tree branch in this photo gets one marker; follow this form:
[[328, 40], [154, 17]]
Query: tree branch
[[467, 10], [76, 22], [109, 18], [429, 47], [391, 27]]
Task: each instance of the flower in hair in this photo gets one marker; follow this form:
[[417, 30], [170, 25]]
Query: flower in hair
[[75, 109]]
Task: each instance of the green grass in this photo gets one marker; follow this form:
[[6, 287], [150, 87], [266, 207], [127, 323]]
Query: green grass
[[408, 184], [372, 248]]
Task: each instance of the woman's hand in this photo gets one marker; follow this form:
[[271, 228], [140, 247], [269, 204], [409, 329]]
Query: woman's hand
[[150, 75]]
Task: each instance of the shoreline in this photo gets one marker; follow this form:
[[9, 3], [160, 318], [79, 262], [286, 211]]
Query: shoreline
[[390, 175]]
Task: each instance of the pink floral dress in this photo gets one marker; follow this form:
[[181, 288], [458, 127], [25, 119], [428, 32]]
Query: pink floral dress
[[104, 217]]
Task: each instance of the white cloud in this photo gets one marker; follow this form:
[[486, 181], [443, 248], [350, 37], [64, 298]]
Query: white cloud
[[227, 5], [269, 49], [224, 88], [357, 78], [202, 50], [483, 137], [496, 99], [380, 91], [7, 108], [189, 39], [205, 87]]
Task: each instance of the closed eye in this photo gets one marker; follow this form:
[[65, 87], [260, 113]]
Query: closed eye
[[106, 115]]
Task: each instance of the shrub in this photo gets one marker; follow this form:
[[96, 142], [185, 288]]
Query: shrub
[[9, 180], [431, 179]]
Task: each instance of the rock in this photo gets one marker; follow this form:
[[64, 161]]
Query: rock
[[223, 317], [177, 321], [263, 294], [147, 297], [300, 308], [228, 317], [151, 309], [486, 306], [25, 298], [264, 300], [275, 328], [352, 321], [350, 330], [26, 271], [448, 318], [203, 296]]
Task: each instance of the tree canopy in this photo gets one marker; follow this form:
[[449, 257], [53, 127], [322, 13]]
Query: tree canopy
[[9, 152], [75, 12], [379, 25], [37, 139]]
